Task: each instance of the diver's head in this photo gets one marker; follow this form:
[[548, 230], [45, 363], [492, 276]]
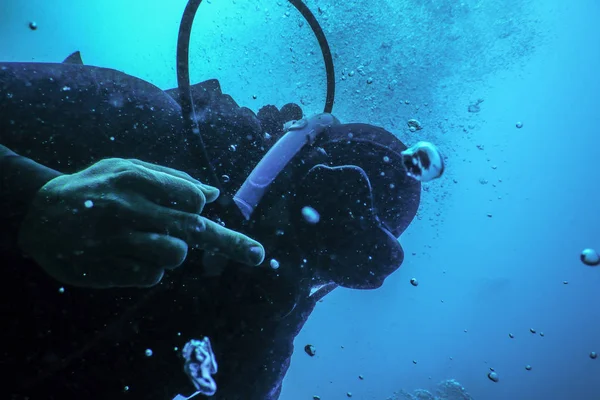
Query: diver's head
[[338, 207]]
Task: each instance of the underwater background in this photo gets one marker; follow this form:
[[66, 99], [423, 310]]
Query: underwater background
[[496, 244]]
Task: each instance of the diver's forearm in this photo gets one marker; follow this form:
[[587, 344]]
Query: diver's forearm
[[20, 179]]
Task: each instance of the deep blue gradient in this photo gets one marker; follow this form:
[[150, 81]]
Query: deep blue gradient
[[495, 237]]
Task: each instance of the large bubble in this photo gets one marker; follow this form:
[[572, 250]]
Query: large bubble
[[423, 161], [590, 257]]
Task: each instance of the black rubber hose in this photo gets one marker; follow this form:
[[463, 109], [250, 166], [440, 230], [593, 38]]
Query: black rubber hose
[[324, 45], [183, 73], [183, 45], [183, 54], [185, 91]]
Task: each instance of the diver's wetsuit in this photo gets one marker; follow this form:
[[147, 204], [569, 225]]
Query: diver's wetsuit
[[90, 344], [81, 343], [21, 179]]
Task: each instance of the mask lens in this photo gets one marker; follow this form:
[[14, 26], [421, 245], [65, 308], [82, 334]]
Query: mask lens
[[347, 239], [378, 152]]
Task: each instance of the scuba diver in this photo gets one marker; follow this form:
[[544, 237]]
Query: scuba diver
[[167, 244]]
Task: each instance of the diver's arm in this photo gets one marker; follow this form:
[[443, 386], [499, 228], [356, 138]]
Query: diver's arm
[[117, 223], [20, 179]]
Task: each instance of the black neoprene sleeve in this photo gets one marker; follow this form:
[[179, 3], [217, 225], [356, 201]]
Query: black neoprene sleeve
[[20, 180]]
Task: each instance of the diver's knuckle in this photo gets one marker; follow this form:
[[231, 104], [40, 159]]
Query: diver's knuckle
[[126, 177], [102, 163], [197, 199], [99, 167], [182, 174], [109, 160], [193, 223], [117, 206], [235, 240], [111, 163], [135, 163], [176, 223]]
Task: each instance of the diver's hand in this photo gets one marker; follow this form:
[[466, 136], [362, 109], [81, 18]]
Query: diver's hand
[[121, 223]]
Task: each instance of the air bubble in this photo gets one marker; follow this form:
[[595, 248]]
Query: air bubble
[[423, 162], [310, 350], [310, 215], [590, 257], [493, 376], [414, 125]]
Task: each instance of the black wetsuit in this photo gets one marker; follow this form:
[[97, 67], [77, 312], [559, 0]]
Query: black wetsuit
[[91, 344]]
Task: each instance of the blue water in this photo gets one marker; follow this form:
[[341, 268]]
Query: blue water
[[481, 277]]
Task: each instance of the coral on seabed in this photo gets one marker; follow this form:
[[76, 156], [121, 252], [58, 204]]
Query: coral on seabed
[[446, 390]]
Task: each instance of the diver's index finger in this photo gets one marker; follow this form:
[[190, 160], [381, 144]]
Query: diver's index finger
[[231, 244]]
